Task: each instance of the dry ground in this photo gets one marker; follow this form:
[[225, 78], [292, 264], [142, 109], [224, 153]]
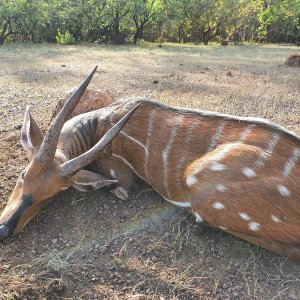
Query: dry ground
[[93, 246]]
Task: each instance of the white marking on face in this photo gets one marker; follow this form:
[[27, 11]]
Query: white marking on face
[[148, 139], [249, 172], [284, 191], [166, 152], [275, 219], [246, 132], [216, 166], [254, 226], [289, 166], [191, 180], [134, 140], [198, 217], [244, 216], [218, 205], [215, 138], [222, 227], [112, 173], [221, 187]]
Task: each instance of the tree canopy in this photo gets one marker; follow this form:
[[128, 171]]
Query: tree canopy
[[118, 21]]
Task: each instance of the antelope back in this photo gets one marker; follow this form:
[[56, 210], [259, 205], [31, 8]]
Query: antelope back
[[90, 100]]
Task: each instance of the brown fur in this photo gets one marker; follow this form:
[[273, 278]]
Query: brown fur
[[90, 100], [258, 197], [293, 60]]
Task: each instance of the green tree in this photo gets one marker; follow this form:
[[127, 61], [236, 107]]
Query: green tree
[[143, 13], [280, 21], [22, 19]]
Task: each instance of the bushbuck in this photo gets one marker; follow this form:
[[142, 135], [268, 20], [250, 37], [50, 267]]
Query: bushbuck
[[241, 175]]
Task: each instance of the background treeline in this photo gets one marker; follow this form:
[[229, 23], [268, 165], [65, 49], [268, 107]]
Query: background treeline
[[120, 21]]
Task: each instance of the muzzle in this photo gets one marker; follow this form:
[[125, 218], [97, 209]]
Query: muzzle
[[8, 227]]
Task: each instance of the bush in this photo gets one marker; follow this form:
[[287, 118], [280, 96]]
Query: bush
[[66, 38]]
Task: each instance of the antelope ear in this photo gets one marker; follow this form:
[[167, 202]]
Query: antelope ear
[[89, 181], [31, 135]]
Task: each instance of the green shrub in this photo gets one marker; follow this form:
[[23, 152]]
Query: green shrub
[[66, 38]]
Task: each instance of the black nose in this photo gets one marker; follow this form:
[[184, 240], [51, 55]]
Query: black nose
[[4, 232]]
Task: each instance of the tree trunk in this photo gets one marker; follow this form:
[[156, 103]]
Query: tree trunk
[[2, 34], [136, 37]]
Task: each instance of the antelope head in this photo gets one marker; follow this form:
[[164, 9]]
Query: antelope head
[[48, 171]]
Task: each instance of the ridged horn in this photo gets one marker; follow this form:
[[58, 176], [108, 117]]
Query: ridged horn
[[48, 147]]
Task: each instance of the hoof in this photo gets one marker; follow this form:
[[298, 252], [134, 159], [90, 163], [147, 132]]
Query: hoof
[[120, 193]]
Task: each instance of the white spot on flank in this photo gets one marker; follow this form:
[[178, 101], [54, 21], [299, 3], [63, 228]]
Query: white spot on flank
[[289, 166], [283, 190], [217, 167], [166, 152], [249, 172], [222, 227], [198, 217], [215, 158], [275, 219], [254, 226], [221, 187], [215, 138], [244, 216], [218, 205], [112, 173], [246, 132], [191, 180]]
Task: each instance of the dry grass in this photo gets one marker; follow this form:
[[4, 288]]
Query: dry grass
[[109, 249]]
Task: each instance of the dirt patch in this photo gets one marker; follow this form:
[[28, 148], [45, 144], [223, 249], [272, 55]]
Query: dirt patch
[[94, 246]]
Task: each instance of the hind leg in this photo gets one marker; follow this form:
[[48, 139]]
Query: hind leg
[[229, 191]]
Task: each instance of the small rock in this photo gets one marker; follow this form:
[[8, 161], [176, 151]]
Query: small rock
[[54, 241], [229, 74], [292, 296], [155, 81], [138, 297], [6, 267]]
